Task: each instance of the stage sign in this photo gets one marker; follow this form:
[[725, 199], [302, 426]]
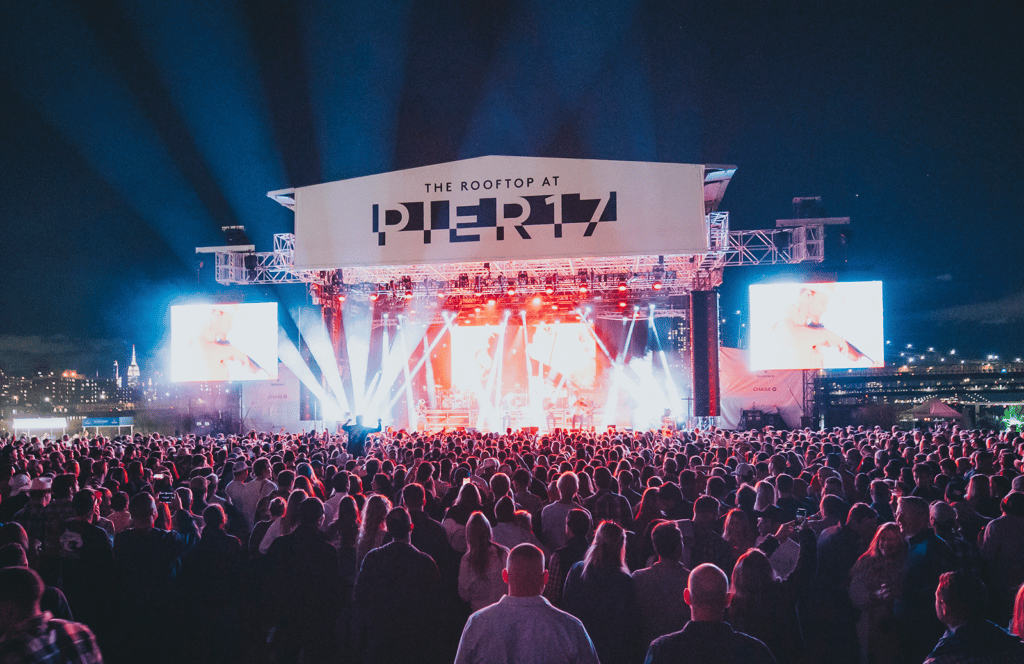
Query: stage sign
[[502, 208]]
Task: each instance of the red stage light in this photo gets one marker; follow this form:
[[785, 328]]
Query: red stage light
[[622, 304], [622, 286], [549, 290], [583, 289], [656, 285], [554, 307], [408, 294], [373, 297], [490, 302], [511, 290]]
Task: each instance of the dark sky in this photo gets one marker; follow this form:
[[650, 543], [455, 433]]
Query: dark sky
[[132, 131]]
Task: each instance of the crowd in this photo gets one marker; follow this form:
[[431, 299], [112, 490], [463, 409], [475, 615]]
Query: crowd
[[843, 545]]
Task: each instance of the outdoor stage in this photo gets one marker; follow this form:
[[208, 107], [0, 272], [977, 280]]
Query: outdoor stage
[[525, 286]]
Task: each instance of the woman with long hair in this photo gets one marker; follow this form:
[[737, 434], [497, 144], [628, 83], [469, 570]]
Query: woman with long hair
[[371, 529], [286, 523], [876, 582], [764, 606], [480, 581], [647, 510], [738, 533], [458, 514], [599, 591]]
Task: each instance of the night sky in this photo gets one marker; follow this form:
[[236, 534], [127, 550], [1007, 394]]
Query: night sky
[[132, 131]]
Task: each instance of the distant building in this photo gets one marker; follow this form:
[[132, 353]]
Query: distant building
[[134, 375]]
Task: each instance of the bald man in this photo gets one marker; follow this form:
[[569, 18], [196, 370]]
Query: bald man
[[707, 638], [523, 627]]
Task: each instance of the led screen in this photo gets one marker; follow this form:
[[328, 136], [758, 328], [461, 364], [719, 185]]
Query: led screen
[[549, 351], [816, 326], [220, 342]]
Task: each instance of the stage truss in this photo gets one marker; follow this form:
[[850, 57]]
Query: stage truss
[[604, 282]]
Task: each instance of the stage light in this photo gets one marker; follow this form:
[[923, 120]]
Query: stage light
[[622, 286], [476, 309], [373, 297], [622, 304], [587, 309], [554, 307], [536, 301], [440, 294], [408, 294], [341, 297], [656, 285], [549, 289], [490, 301], [511, 290], [583, 288]]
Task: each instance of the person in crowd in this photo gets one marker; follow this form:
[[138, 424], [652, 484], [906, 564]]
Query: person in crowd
[[399, 603], [307, 589], [927, 558], [147, 563], [553, 515], [960, 603], [659, 587], [53, 599], [708, 545], [371, 526], [739, 534], [942, 519], [577, 528], [832, 617], [600, 592], [32, 516], [29, 635], [647, 510], [480, 571], [275, 511], [458, 514], [765, 606], [1017, 622], [87, 564], [119, 514], [507, 532], [211, 577], [287, 523], [708, 638], [1001, 545], [495, 634], [605, 504], [876, 581]]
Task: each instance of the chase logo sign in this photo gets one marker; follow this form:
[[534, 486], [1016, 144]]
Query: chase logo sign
[[502, 208]]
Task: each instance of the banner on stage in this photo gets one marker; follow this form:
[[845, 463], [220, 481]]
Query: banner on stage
[[502, 208]]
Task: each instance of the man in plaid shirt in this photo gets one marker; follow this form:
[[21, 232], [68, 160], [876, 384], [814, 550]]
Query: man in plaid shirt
[[30, 636]]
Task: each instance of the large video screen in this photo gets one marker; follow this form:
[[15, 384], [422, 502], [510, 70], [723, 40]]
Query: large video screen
[[816, 326], [561, 353], [221, 342]]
